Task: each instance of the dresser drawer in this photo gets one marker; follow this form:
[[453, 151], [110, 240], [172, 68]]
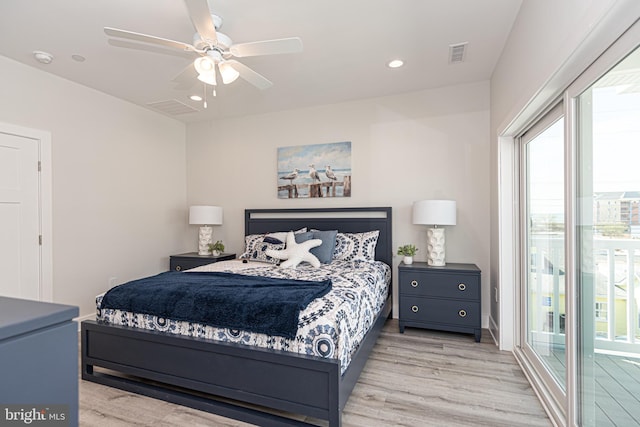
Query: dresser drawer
[[431, 310], [440, 284]]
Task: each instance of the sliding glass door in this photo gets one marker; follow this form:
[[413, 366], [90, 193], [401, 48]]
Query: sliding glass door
[[543, 272], [608, 246], [579, 245]]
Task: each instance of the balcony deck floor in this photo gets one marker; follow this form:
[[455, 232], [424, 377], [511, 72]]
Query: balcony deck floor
[[616, 388]]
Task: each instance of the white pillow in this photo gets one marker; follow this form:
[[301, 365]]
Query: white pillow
[[356, 246], [295, 253]]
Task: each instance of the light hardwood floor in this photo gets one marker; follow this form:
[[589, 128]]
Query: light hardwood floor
[[419, 378]]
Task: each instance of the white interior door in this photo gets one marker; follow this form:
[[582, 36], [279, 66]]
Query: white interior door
[[20, 264]]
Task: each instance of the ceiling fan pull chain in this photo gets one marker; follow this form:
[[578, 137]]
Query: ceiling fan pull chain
[[204, 87]]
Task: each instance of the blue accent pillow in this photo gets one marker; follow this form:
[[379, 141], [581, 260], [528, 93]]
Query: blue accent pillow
[[324, 252]]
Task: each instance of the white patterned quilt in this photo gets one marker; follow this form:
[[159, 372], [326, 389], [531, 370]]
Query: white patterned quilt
[[331, 327]]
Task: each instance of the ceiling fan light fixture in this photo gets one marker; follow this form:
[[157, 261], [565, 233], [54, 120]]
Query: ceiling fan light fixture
[[228, 73], [214, 49], [204, 65], [208, 78]]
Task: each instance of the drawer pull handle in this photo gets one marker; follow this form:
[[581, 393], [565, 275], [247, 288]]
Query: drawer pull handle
[[414, 308], [414, 283], [178, 268], [462, 313], [462, 286]]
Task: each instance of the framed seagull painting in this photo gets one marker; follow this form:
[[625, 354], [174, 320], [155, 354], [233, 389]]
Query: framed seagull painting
[[319, 170]]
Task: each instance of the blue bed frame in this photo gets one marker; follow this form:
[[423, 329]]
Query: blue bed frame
[[222, 377]]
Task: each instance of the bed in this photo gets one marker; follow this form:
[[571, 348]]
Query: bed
[[262, 386]]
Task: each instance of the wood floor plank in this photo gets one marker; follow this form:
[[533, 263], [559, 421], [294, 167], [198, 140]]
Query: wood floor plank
[[419, 378]]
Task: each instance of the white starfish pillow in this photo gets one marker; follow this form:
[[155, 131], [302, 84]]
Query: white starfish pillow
[[295, 253]]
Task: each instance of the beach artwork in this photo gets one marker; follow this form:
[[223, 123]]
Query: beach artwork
[[316, 171]]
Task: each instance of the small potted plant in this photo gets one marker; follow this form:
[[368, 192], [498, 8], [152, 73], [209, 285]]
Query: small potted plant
[[216, 248], [407, 251]]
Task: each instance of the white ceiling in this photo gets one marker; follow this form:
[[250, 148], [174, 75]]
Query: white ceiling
[[346, 46]]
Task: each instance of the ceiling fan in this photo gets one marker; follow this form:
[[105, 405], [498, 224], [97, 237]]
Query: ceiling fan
[[215, 49]]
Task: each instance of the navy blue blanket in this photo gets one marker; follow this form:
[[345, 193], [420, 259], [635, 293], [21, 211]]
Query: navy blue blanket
[[257, 304]]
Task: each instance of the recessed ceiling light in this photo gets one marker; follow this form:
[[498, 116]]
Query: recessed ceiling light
[[396, 63], [42, 57], [195, 98], [78, 58]]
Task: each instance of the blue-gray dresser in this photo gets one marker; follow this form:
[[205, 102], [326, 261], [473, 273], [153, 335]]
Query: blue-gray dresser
[[445, 298], [38, 363]]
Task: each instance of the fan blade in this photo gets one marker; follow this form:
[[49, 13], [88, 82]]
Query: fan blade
[[187, 78], [124, 34], [150, 48], [249, 75], [201, 18], [267, 47]]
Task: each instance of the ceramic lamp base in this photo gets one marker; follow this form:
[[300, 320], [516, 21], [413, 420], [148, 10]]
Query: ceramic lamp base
[[435, 247], [205, 239]]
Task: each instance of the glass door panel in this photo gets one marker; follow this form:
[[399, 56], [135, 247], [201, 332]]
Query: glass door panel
[[608, 234], [545, 266]]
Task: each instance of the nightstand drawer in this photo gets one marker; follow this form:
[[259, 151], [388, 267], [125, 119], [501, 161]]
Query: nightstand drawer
[[440, 284], [192, 260], [186, 263], [433, 310]]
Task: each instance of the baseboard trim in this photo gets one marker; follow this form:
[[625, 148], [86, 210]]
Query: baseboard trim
[[494, 331], [80, 319]]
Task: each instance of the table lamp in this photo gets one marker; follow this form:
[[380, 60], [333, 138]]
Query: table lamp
[[436, 213], [205, 216]]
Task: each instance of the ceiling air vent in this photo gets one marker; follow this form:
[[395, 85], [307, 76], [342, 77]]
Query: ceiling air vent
[[172, 107], [457, 52]]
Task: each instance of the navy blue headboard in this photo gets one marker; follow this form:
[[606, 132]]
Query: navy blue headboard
[[346, 220]]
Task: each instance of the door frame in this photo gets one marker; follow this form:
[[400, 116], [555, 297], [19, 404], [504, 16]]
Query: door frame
[[43, 138], [576, 73]]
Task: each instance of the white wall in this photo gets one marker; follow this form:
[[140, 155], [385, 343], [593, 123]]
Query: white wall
[[119, 181], [544, 37], [429, 144], [550, 44]]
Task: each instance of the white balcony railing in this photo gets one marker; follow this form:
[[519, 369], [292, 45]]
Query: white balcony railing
[[616, 266]]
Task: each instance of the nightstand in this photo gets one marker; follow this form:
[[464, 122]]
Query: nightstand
[[444, 298], [193, 260], [39, 353]]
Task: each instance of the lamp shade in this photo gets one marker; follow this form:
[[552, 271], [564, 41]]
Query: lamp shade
[[208, 78], [434, 212], [205, 215], [204, 65], [228, 73]]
